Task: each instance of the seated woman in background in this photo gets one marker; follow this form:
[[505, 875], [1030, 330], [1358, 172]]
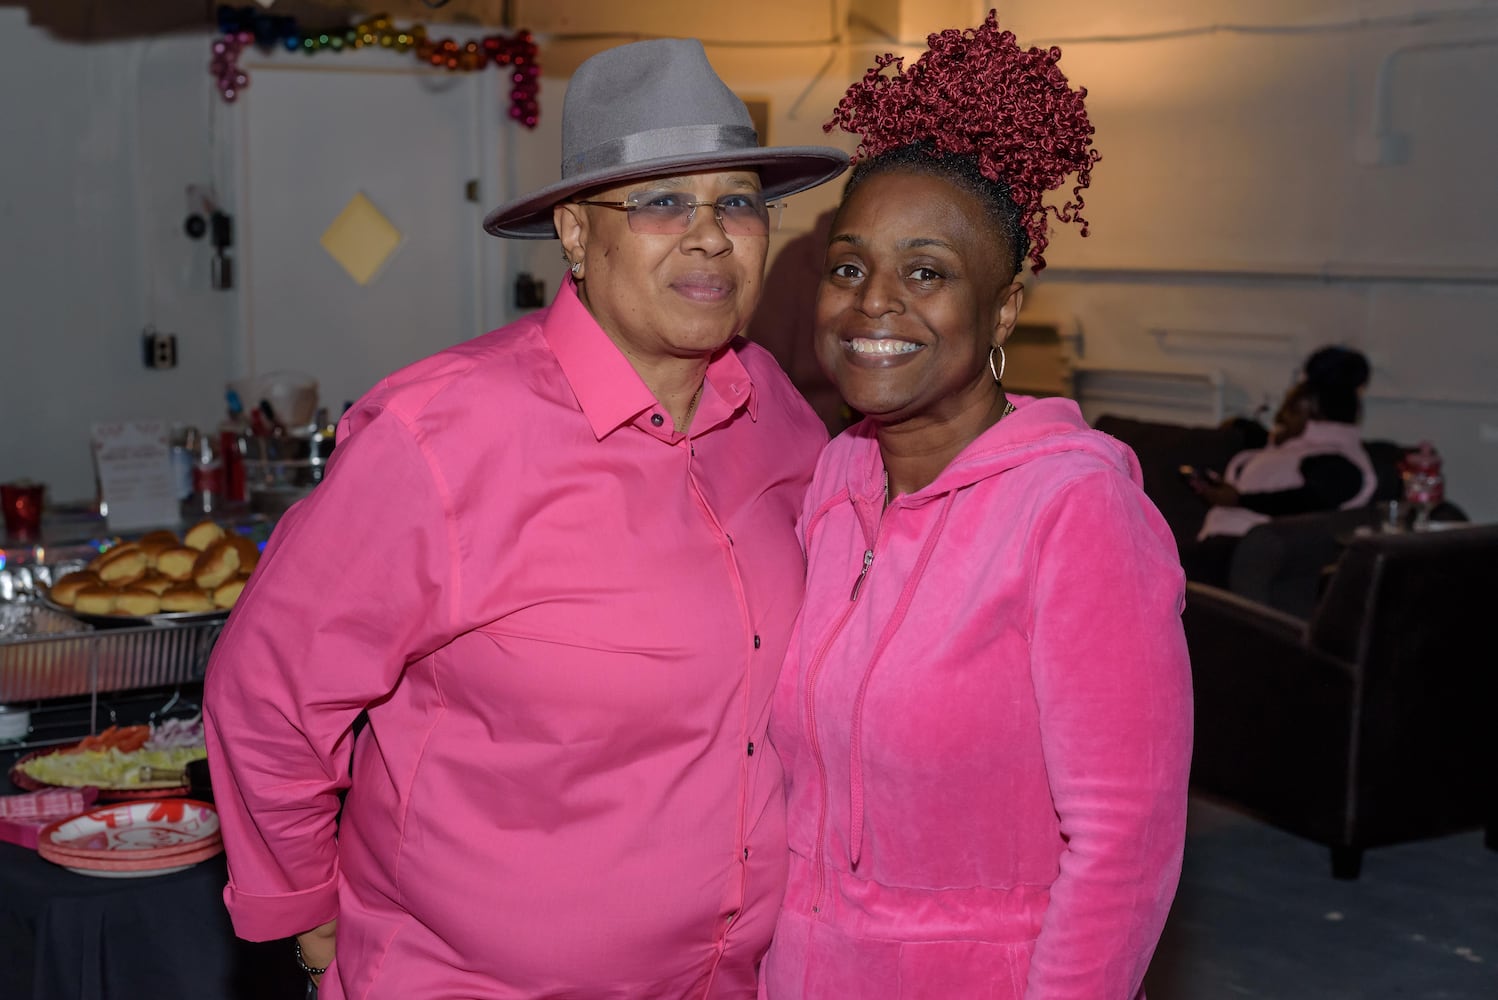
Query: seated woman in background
[[1314, 461]]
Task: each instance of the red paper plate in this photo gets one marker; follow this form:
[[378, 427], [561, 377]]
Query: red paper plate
[[137, 853], [135, 828], [131, 868], [138, 831]]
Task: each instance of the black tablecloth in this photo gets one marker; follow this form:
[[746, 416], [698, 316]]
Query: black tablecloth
[[65, 936]]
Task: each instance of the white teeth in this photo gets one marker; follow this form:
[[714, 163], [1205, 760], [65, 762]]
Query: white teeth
[[863, 345]]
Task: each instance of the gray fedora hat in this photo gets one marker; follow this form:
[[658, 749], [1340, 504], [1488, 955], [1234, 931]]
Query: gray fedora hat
[[652, 109]]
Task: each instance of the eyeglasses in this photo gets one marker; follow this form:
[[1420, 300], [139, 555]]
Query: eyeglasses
[[670, 213]]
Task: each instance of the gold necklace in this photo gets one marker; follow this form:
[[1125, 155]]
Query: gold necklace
[[1008, 409], [686, 421]]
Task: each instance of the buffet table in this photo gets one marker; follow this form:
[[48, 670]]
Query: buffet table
[[65, 936], [70, 936]]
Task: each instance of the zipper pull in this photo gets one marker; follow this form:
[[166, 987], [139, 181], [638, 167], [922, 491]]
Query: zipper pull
[[868, 558]]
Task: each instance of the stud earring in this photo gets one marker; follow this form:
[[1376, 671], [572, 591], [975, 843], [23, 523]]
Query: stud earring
[[998, 373], [577, 269]]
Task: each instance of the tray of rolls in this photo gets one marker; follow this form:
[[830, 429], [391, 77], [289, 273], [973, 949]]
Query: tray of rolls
[[159, 579]]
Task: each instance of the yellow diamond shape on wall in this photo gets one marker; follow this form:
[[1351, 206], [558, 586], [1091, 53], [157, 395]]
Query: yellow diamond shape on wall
[[361, 239]]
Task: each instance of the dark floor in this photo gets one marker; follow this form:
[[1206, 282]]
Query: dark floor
[[1259, 915]]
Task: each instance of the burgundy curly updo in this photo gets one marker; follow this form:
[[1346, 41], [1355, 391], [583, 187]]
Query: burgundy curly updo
[[996, 119]]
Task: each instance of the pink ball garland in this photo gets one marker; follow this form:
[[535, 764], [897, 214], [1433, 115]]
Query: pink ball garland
[[244, 26], [227, 75]]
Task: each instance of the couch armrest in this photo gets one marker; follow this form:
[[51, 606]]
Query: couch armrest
[[1274, 717], [1225, 607]]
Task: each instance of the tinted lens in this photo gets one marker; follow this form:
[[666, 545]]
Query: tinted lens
[[665, 214], [671, 213], [743, 215]]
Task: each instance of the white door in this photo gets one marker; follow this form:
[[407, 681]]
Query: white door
[[310, 140]]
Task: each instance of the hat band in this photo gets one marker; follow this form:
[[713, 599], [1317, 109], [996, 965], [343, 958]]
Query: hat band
[[660, 144]]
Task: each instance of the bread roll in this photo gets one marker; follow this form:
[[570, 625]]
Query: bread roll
[[66, 589], [226, 593], [154, 547], [177, 563], [202, 535], [217, 563], [154, 537], [185, 597], [137, 601], [96, 600], [154, 582], [112, 552], [249, 552], [123, 565]]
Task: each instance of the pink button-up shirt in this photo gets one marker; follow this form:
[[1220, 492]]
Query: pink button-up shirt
[[564, 620]]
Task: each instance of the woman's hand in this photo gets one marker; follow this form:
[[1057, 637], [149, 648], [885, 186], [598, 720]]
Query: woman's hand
[[318, 947], [1215, 491]]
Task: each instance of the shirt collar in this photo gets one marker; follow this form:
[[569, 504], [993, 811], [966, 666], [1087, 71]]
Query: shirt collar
[[610, 391]]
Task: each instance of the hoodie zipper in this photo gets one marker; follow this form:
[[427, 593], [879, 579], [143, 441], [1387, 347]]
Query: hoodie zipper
[[868, 560], [819, 859], [812, 671]]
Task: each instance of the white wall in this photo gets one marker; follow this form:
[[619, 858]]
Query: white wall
[[100, 143], [1240, 214]]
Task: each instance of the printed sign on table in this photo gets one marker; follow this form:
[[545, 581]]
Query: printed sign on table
[[134, 462]]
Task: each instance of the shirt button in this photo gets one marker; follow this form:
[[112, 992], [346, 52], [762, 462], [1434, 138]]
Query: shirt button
[[751, 748], [657, 419], [756, 642], [746, 854]]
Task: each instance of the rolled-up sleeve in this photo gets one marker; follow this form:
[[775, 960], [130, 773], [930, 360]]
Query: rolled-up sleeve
[[355, 582]]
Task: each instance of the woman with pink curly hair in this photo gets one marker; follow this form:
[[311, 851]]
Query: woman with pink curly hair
[[985, 711]]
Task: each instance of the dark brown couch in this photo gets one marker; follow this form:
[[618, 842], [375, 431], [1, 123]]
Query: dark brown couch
[[1371, 723]]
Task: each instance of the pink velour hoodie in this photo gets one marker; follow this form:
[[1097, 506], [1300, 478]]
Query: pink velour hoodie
[[985, 719]]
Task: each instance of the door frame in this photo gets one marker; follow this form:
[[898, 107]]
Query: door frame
[[490, 259]]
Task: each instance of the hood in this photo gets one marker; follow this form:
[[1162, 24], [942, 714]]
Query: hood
[[1037, 429]]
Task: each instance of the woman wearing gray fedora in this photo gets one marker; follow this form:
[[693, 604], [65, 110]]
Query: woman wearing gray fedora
[[555, 569]]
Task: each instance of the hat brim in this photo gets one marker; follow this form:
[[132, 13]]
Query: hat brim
[[783, 171]]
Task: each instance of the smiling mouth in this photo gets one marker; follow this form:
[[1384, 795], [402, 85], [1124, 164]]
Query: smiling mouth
[[703, 289], [881, 347]]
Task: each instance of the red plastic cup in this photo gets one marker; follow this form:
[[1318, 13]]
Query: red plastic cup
[[22, 504]]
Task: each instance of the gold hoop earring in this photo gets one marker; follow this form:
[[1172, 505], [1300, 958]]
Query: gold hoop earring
[[998, 373]]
